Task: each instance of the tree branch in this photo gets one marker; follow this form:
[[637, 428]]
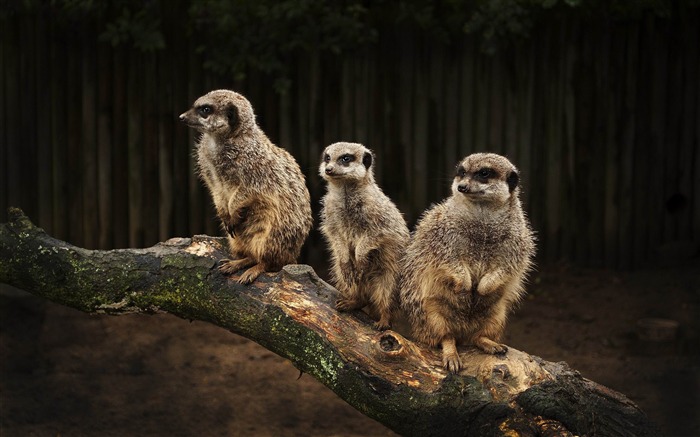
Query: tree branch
[[382, 374]]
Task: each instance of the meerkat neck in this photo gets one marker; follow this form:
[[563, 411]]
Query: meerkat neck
[[483, 211]]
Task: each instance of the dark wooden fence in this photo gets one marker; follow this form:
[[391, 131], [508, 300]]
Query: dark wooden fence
[[602, 119]]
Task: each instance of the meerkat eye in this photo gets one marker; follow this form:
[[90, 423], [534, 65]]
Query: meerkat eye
[[326, 158], [347, 158], [205, 110], [484, 173], [461, 172]]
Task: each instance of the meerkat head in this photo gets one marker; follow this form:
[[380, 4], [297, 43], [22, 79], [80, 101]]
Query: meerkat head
[[485, 177], [221, 113], [347, 162]]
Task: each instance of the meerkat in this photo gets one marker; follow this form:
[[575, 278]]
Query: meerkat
[[258, 189], [365, 232], [468, 259]]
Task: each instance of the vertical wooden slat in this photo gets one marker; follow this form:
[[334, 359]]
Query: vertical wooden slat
[[525, 79], [196, 193], [42, 81], [165, 125], [596, 155], [569, 104], [671, 139], [75, 147], [435, 144], [360, 103], [58, 125], [693, 140], [690, 114], [536, 109], [105, 127], [5, 60], [511, 103], [421, 141], [150, 102], [88, 138], [494, 129], [552, 125], [481, 86], [633, 109], [120, 149], [613, 100], [24, 137], [467, 97], [451, 90], [135, 151], [650, 160], [177, 59], [405, 105], [315, 124]]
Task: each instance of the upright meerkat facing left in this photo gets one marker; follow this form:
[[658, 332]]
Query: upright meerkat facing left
[[258, 189], [365, 232], [469, 255]]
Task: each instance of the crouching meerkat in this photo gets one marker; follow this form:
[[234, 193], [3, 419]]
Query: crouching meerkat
[[468, 258], [365, 232], [258, 189]]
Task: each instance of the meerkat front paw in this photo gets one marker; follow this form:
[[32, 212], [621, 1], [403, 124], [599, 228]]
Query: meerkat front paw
[[490, 283], [235, 222], [465, 286]]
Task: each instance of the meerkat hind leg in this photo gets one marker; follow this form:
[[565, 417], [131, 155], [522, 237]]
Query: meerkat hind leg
[[489, 346], [381, 301], [252, 273]]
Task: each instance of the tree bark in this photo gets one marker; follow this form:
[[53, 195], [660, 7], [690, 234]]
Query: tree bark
[[382, 374]]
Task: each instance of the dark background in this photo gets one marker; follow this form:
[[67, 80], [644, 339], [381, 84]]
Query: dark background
[[598, 104]]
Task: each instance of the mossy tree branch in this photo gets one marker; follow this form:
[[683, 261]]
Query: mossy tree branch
[[384, 375]]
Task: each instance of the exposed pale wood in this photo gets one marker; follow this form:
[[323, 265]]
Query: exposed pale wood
[[384, 375]]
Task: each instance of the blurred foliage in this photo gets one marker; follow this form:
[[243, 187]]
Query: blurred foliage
[[239, 36], [235, 36]]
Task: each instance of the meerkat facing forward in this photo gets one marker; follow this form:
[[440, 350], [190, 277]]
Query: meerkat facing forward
[[465, 266], [365, 232], [258, 189]]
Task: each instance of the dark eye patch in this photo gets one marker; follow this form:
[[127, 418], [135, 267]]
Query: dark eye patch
[[484, 174], [326, 158], [461, 172], [346, 159], [205, 110]]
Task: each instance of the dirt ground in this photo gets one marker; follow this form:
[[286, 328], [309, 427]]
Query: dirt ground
[[65, 373]]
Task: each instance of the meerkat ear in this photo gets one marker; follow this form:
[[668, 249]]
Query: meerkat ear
[[232, 116], [512, 180], [367, 159]]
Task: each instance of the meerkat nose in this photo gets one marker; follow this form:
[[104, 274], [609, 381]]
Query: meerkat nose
[[329, 170], [182, 116], [463, 188]]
